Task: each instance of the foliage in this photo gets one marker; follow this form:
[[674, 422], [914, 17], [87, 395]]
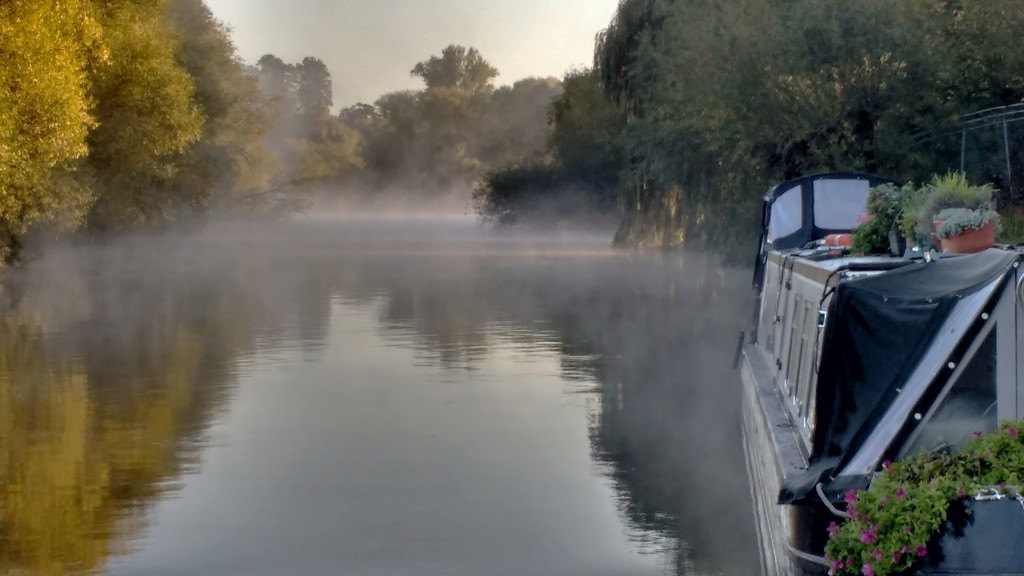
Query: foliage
[[913, 204], [584, 136], [308, 146], [885, 206], [508, 195], [459, 68], [1011, 227], [722, 99], [912, 209], [955, 221], [230, 163], [457, 128], [513, 126], [906, 506], [580, 172], [951, 190], [146, 117], [46, 49]]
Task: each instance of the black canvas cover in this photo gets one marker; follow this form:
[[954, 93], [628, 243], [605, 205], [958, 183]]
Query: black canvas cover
[[880, 328]]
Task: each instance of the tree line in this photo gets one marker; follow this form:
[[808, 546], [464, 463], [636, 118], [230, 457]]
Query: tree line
[[715, 101], [127, 114], [721, 99], [119, 114]]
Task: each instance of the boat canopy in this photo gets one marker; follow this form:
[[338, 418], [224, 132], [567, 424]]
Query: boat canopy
[[891, 349], [805, 209]]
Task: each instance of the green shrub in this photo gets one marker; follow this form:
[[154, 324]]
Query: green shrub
[[885, 206], [1011, 227]]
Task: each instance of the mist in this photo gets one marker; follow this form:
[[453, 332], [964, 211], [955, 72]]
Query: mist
[[521, 383]]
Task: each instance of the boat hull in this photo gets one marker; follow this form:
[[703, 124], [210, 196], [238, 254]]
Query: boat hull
[[782, 530]]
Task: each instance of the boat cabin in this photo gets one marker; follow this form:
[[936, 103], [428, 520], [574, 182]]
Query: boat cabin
[[858, 360]]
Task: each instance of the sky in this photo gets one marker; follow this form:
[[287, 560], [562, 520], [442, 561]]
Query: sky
[[370, 46]]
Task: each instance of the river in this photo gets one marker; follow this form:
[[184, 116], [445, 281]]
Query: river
[[371, 398]]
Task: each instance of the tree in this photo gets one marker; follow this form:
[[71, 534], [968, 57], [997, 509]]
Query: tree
[[584, 137], [720, 99], [577, 176], [230, 164], [457, 67], [513, 127], [310, 147], [313, 93], [277, 82], [45, 112], [146, 115]]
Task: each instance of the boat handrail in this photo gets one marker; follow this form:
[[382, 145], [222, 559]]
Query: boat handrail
[[819, 488]]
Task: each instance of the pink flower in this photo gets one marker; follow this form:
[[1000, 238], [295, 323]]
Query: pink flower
[[1012, 432], [868, 570], [887, 466], [837, 564], [960, 493], [922, 550], [883, 502], [850, 497], [833, 529], [876, 555], [900, 493], [977, 433], [868, 537]]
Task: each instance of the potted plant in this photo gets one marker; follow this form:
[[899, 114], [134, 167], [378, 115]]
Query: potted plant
[[884, 206], [951, 190], [966, 230], [909, 502], [892, 218]]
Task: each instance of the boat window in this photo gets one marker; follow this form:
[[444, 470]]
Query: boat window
[[969, 407], [795, 348], [787, 214], [839, 203]]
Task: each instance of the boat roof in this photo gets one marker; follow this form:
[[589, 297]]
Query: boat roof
[[893, 338]]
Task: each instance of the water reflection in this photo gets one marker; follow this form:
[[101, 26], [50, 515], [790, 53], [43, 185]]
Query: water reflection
[[118, 365], [99, 413]]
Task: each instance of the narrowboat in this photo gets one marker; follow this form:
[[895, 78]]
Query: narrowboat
[[855, 360]]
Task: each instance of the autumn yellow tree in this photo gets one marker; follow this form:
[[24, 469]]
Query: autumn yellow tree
[[45, 111]]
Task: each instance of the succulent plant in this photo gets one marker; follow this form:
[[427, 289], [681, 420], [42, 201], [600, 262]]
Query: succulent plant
[[957, 220]]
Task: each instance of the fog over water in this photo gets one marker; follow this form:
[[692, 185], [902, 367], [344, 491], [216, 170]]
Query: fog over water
[[372, 398]]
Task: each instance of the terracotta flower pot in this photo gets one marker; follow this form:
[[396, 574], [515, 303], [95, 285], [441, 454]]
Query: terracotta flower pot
[[973, 240], [936, 224]]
